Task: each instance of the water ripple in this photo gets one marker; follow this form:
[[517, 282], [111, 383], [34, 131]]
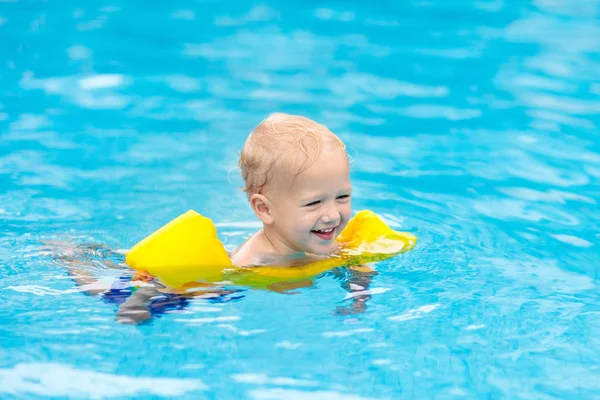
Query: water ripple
[[471, 124], [63, 380]]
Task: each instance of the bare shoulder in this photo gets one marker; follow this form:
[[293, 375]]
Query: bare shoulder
[[244, 254], [241, 257]]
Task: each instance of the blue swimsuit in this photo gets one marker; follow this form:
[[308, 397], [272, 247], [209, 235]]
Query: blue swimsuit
[[162, 303]]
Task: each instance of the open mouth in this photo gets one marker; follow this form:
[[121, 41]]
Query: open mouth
[[324, 234]]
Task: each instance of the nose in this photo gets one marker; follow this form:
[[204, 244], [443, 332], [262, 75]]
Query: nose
[[331, 216]]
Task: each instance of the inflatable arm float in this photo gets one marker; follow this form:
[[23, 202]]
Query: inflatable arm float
[[188, 250]]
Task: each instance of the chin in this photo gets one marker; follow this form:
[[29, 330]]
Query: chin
[[323, 250]]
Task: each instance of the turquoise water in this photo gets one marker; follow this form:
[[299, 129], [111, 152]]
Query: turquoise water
[[473, 124]]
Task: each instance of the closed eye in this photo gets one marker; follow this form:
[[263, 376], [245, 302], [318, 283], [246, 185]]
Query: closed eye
[[343, 197], [314, 203]]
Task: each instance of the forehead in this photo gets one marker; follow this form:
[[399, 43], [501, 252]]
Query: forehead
[[331, 171]]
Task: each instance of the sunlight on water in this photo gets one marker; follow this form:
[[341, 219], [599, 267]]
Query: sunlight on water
[[471, 124]]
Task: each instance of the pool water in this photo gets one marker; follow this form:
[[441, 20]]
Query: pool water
[[473, 124]]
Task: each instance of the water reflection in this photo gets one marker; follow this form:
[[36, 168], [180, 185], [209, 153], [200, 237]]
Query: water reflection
[[471, 124]]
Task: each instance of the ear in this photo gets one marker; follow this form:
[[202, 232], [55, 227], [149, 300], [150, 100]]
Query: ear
[[262, 208]]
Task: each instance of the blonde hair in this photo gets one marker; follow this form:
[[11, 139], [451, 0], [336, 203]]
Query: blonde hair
[[282, 140]]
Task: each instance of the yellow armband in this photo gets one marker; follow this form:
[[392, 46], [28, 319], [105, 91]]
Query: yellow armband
[[187, 249]]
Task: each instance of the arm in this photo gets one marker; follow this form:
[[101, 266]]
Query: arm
[[135, 309], [80, 261], [85, 281], [356, 280]]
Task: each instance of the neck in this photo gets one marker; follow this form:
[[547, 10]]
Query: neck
[[275, 244]]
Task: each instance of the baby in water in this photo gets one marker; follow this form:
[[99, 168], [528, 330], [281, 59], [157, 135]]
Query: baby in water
[[297, 178]]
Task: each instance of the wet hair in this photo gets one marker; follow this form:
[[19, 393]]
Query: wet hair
[[282, 141]]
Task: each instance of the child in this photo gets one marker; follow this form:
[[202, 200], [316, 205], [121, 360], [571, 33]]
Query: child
[[297, 178]]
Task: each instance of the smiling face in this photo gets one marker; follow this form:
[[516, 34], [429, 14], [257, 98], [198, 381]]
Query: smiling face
[[309, 210]]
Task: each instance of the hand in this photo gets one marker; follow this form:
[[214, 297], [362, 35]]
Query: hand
[[133, 316], [288, 287], [357, 307]]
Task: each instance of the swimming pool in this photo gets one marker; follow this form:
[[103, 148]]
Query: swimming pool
[[474, 125]]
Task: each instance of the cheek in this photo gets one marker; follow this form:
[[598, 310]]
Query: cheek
[[297, 222], [306, 222], [346, 213], [303, 223]]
